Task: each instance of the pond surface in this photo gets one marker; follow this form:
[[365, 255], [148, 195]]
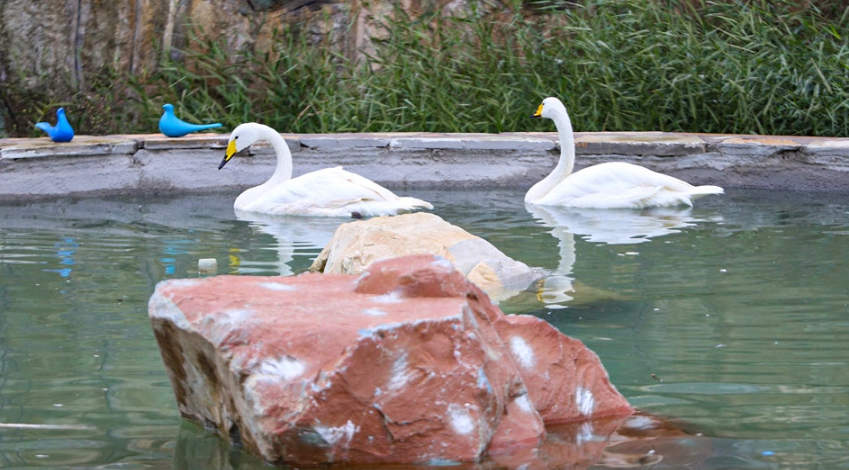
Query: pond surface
[[732, 317]]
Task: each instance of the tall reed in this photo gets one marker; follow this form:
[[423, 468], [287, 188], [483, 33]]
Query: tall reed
[[765, 67]]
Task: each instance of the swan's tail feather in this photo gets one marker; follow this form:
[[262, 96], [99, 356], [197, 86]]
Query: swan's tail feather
[[402, 205], [409, 204], [700, 191]]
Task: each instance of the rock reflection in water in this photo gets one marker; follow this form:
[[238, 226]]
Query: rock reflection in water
[[638, 441]]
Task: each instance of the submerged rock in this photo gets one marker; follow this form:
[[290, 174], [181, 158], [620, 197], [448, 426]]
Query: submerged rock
[[356, 245], [408, 362]]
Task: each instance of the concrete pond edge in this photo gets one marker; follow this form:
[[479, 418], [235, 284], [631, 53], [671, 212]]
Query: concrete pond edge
[[155, 164]]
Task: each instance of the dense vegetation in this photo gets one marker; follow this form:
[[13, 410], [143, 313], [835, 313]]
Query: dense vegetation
[[765, 67]]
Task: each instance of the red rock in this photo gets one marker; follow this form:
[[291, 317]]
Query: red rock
[[404, 363], [567, 381], [413, 276]]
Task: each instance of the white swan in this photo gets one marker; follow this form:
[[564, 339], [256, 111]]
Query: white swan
[[606, 185], [331, 192]]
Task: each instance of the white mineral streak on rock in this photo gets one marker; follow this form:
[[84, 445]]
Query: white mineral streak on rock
[[162, 307], [218, 327], [483, 380], [236, 316], [460, 419], [286, 367], [393, 297], [523, 353], [181, 283], [276, 286], [585, 401], [399, 375], [375, 312], [335, 435], [524, 403]]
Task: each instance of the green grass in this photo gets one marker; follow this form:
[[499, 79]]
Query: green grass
[[760, 67]]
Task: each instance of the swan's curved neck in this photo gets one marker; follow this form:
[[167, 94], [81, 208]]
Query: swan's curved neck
[[567, 158], [283, 172]]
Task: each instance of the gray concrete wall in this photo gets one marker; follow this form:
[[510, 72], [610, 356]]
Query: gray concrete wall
[[154, 164]]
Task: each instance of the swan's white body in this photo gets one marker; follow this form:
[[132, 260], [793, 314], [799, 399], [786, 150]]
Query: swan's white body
[[614, 185], [331, 192]]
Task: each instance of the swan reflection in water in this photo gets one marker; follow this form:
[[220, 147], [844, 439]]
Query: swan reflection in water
[[604, 226], [291, 233]]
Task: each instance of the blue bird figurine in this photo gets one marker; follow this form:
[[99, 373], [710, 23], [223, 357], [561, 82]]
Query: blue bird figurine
[[172, 126], [62, 132]]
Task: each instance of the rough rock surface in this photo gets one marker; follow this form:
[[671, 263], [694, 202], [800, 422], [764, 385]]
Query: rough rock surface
[[407, 363], [59, 45], [562, 373], [356, 245]]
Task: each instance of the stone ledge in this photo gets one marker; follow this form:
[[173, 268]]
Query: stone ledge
[[81, 146], [659, 144], [343, 141], [589, 143], [193, 141], [833, 148], [472, 142], [425, 160]]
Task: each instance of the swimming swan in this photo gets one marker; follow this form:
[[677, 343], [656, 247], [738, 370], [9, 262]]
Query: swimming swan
[[331, 192], [606, 185]]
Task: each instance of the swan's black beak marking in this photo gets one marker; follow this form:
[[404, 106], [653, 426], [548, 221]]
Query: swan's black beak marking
[[228, 154], [537, 114]]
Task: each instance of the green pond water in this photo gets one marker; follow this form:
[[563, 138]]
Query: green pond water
[[731, 317]]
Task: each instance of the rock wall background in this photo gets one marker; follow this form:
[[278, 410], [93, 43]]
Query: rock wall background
[[56, 42], [85, 51], [58, 45]]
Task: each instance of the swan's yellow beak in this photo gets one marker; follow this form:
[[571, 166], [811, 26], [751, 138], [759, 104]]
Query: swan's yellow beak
[[228, 154], [538, 113]]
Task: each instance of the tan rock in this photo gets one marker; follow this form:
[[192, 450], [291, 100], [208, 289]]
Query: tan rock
[[356, 245]]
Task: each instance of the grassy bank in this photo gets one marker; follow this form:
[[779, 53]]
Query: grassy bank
[[762, 67]]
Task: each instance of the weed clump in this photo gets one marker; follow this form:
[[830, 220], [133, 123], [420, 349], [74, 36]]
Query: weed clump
[[754, 67]]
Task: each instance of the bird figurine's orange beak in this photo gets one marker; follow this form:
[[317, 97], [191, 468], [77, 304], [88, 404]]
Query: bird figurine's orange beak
[[228, 154]]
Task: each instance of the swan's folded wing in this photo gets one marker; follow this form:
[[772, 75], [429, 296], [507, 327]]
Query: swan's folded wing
[[619, 185], [330, 192], [628, 175], [635, 197]]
